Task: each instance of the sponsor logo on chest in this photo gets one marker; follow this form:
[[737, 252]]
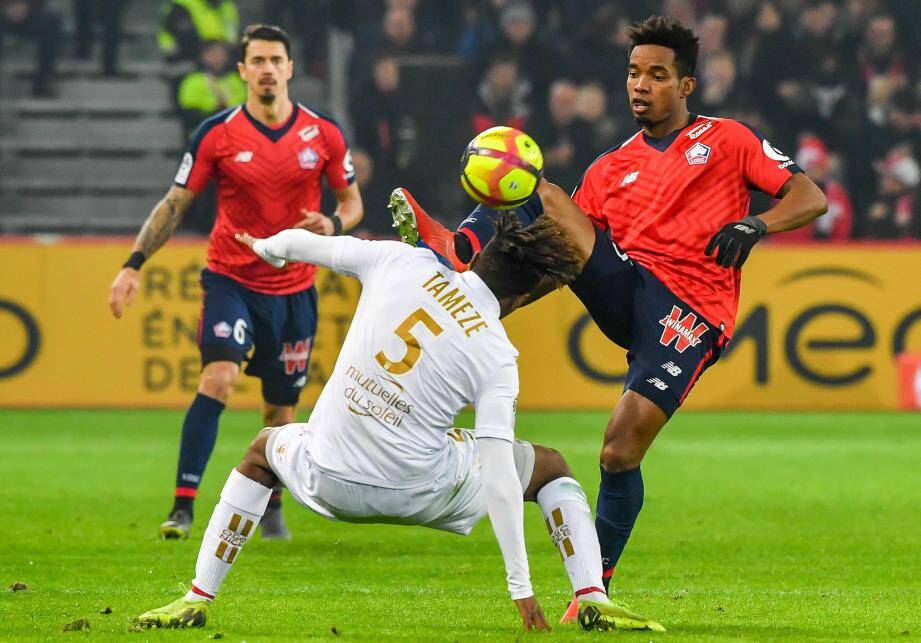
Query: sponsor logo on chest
[[308, 158], [244, 157], [698, 131], [309, 133], [698, 154]]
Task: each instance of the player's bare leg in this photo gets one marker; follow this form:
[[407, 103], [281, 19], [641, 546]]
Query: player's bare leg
[[273, 522], [242, 504], [199, 433], [569, 522], [570, 218], [634, 425]]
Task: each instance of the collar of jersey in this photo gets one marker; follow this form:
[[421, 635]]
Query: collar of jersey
[[482, 292], [662, 144], [273, 135]]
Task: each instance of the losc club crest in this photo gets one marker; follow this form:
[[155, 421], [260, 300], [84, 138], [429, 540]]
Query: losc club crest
[[697, 154], [308, 158]]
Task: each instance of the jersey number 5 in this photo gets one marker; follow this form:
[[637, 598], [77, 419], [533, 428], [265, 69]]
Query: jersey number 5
[[413, 351]]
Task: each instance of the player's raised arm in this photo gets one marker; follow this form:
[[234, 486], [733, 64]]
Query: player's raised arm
[[347, 255], [777, 175], [159, 227]]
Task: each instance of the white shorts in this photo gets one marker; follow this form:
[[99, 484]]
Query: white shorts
[[453, 502]]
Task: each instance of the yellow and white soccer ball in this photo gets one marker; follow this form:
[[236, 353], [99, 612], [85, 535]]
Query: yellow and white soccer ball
[[501, 167]]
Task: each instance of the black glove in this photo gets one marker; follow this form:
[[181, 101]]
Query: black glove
[[735, 241]]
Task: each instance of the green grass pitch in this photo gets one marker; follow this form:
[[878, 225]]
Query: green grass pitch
[[756, 526]]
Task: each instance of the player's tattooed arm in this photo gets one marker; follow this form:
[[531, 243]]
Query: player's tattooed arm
[[163, 220]]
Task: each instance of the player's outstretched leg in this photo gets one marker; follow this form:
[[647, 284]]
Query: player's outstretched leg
[[569, 522], [235, 518], [417, 228]]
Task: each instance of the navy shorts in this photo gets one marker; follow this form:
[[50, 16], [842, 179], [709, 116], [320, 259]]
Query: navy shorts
[[669, 344], [278, 328]]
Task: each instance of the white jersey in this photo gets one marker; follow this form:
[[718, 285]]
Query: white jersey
[[425, 342]]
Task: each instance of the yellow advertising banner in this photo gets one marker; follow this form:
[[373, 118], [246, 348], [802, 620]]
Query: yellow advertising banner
[[818, 328]]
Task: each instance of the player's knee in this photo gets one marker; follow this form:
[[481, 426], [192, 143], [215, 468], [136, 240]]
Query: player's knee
[[256, 452], [555, 464], [217, 380], [549, 464], [278, 415], [620, 455]]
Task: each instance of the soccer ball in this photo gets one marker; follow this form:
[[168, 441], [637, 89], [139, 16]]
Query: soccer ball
[[501, 167]]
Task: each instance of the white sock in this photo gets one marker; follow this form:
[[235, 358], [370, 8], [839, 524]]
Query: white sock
[[572, 530], [233, 522]]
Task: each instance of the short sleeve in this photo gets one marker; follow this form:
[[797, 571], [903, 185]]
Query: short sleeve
[[496, 403], [589, 193], [339, 171], [198, 163], [764, 167]]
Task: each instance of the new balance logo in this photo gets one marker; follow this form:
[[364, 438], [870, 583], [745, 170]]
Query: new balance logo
[[672, 369], [295, 356], [684, 331], [659, 384], [629, 178], [244, 157]]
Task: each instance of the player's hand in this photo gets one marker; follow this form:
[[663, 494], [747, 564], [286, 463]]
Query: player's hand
[[735, 241], [531, 614], [123, 290], [316, 222], [245, 238], [259, 248]]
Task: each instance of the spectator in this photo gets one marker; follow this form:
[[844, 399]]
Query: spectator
[[773, 69], [377, 115], [310, 22], [601, 46], [502, 96], [592, 106], [186, 24], [108, 15], [397, 38], [35, 20], [894, 214], [881, 65], [214, 86], [538, 62], [717, 83], [836, 224], [564, 138]]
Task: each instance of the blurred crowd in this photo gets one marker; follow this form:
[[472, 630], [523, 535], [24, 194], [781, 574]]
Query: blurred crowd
[[835, 83]]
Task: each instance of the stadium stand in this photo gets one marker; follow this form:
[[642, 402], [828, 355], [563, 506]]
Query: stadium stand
[[97, 156]]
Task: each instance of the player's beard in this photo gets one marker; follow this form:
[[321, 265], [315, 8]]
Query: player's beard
[[267, 98]]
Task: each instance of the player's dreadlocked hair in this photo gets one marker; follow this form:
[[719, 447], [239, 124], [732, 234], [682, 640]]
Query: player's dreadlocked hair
[[664, 31], [517, 257]]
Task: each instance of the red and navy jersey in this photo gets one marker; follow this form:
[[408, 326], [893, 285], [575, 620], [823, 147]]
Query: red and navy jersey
[[265, 177], [663, 199]]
